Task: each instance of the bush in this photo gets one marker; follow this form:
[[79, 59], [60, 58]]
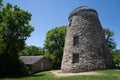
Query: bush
[[12, 67]]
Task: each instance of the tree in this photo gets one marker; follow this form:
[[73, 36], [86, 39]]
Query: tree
[[116, 57], [112, 45], [0, 4], [54, 44], [14, 30], [32, 51], [109, 39], [1, 40]]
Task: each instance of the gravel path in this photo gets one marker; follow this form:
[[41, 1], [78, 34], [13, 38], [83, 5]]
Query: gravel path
[[58, 73]]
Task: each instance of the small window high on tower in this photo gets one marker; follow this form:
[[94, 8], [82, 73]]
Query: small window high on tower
[[75, 40], [70, 22]]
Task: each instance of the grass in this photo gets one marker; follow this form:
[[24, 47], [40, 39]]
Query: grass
[[113, 74]]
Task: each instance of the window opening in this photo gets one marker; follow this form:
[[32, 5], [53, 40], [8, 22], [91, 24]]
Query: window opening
[[75, 40], [70, 22], [75, 58]]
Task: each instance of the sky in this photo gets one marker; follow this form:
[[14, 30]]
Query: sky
[[48, 14]]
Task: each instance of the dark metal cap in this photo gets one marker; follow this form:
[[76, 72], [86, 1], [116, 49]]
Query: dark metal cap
[[81, 9]]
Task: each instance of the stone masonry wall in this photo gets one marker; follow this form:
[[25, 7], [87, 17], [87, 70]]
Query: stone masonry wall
[[91, 49]]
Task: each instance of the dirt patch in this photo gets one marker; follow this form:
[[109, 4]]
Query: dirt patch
[[58, 73]]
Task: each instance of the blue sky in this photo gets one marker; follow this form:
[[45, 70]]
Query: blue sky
[[48, 14]]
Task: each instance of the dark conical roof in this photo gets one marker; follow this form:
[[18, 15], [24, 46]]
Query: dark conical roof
[[81, 9]]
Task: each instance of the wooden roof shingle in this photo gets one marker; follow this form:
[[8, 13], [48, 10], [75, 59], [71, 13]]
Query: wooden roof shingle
[[30, 59]]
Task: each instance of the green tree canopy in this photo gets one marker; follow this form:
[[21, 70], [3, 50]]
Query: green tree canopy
[[0, 4], [109, 39], [14, 30], [32, 51], [54, 44], [116, 56]]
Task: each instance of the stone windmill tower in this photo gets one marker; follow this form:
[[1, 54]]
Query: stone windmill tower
[[85, 47]]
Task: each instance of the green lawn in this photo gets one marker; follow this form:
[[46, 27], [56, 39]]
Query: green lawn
[[107, 75]]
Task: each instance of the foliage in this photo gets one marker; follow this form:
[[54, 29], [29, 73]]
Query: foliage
[[31, 51], [14, 30], [105, 75], [116, 57], [1, 4], [54, 44], [112, 45], [109, 39]]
